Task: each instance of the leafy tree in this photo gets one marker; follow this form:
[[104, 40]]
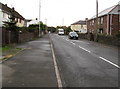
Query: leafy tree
[[67, 30], [34, 27], [51, 29], [11, 26]]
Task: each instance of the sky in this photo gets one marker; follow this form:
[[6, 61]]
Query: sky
[[59, 12]]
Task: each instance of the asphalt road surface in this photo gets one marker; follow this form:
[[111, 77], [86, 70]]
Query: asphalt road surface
[[85, 64]]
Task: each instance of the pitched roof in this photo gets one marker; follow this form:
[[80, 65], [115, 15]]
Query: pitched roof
[[8, 10], [79, 22], [105, 12]]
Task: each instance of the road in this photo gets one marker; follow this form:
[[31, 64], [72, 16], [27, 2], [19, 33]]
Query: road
[[84, 63]]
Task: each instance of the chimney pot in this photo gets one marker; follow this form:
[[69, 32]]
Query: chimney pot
[[13, 8], [5, 4], [86, 19]]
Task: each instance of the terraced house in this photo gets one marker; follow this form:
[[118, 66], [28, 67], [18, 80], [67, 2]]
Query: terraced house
[[5, 13], [108, 21]]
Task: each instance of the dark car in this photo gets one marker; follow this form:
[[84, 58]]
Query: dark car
[[73, 35]]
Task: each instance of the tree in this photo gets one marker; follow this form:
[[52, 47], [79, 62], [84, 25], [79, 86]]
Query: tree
[[51, 29], [11, 24], [12, 28], [68, 29]]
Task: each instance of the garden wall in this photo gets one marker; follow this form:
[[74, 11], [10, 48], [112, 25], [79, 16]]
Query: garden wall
[[109, 40]]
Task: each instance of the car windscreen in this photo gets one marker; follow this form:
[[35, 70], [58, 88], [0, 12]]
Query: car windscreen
[[73, 34], [61, 31]]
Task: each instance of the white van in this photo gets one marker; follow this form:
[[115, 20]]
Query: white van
[[60, 31]]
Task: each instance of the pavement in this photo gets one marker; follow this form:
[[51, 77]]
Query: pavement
[[32, 67]]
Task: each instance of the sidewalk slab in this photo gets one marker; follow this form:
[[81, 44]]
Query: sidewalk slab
[[33, 67]]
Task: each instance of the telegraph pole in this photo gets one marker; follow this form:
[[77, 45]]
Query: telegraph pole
[[96, 20], [39, 17], [62, 21], [46, 24]]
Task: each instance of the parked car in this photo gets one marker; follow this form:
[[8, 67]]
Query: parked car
[[73, 35]]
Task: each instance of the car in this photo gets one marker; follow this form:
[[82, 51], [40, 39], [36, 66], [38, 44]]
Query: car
[[73, 35]]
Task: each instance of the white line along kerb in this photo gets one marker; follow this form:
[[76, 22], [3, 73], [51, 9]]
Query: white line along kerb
[[109, 62], [56, 69]]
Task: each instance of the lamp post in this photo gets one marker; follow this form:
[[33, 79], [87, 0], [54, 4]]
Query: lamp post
[[39, 17]]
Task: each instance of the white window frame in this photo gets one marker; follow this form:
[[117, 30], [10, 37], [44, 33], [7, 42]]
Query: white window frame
[[102, 19]]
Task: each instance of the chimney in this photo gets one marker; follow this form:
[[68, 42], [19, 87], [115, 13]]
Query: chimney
[[5, 4], [13, 8], [86, 19]]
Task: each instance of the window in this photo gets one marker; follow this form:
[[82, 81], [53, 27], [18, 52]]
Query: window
[[101, 30], [93, 22], [5, 15], [20, 20], [119, 16], [90, 23], [98, 21], [102, 20]]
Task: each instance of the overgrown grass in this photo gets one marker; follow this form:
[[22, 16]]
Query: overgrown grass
[[5, 48], [9, 51]]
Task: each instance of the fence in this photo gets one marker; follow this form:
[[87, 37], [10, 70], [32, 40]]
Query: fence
[[9, 37]]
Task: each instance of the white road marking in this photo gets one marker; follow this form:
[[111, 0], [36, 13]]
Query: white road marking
[[73, 43], [56, 69], [67, 40], [84, 49], [99, 57], [109, 62]]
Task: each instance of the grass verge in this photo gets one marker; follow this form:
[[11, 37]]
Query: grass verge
[[8, 51]]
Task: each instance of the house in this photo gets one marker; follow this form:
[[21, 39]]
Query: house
[[108, 22], [32, 21], [80, 26], [5, 13]]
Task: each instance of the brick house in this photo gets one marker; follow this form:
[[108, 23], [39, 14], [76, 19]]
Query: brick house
[[79, 26], [108, 21]]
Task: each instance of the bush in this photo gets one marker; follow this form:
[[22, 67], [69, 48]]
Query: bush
[[118, 35]]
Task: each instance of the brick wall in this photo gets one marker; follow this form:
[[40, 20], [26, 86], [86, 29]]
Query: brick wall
[[104, 24], [115, 24], [25, 36]]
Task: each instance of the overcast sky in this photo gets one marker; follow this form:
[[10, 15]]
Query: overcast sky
[[59, 12]]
